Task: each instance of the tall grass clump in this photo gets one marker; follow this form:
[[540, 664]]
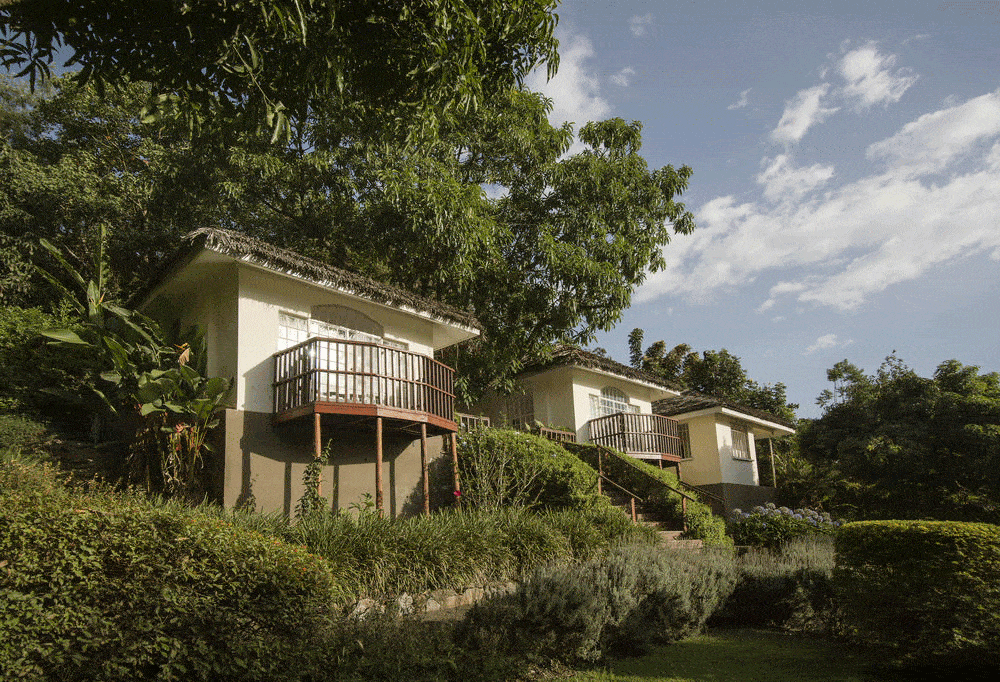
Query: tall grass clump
[[456, 548], [788, 588], [619, 604], [103, 585]]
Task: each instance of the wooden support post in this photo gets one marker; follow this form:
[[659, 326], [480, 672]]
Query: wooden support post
[[318, 448], [454, 468], [378, 465], [423, 468], [770, 448], [600, 473], [632, 503]]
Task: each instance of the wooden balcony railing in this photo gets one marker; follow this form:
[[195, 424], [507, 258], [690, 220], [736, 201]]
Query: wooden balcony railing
[[354, 377], [557, 435], [639, 435]]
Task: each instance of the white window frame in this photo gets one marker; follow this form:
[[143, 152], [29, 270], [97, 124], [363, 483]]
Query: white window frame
[[739, 432], [612, 400]]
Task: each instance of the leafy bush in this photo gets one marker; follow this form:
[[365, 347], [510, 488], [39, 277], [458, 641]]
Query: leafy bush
[[771, 526], [36, 378], [503, 467], [105, 586], [789, 588], [21, 434], [655, 485], [619, 604], [927, 591]]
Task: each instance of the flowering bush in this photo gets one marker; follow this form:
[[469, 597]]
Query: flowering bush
[[771, 526]]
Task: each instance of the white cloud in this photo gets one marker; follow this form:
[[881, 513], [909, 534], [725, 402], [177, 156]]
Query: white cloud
[[825, 341], [936, 140], [742, 101], [870, 77], [801, 113], [638, 24], [782, 180], [623, 77], [575, 89], [935, 200]]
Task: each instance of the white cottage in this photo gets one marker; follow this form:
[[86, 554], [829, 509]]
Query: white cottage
[[320, 356], [723, 440], [578, 395]]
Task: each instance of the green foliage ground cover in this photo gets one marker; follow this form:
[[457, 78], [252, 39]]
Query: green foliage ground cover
[[788, 588], [742, 656], [379, 557]]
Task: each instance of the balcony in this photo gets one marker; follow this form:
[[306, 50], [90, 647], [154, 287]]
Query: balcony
[[647, 436], [337, 376]]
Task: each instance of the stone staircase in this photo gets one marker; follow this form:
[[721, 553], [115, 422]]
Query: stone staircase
[[667, 529]]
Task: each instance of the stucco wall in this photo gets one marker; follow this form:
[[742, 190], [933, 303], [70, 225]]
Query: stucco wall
[[704, 465], [587, 384], [264, 295], [269, 459]]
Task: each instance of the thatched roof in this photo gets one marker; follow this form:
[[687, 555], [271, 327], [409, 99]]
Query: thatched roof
[[248, 249], [692, 401], [570, 355]]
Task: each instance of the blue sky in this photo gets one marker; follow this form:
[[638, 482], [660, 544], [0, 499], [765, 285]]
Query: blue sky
[[846, 178]]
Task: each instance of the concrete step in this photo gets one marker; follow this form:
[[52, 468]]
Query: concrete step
[[670, 539]]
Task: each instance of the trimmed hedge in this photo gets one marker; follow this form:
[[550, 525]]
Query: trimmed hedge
[[104, 586], [620, 604], [927, 591], [649, 482]]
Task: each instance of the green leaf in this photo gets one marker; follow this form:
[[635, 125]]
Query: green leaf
[[64, 336]]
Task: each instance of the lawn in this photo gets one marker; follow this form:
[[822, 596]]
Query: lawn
[[741, 656]]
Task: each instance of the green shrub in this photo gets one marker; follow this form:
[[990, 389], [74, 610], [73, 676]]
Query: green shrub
[[789, 588], [503, 467], [658, 487], [103, 586], [927, 591], [770, 526], [21, 434], [35, 377], [619, 604]]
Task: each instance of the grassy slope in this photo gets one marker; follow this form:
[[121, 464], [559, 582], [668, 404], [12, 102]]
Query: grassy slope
[[741, 656]]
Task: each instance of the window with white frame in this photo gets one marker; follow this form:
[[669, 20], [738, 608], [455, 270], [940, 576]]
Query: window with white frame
[[611, 401], [520, 410], [741, 439]]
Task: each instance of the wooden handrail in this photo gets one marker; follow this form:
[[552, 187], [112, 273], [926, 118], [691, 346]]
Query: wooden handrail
[[325, 370], [635, 433]]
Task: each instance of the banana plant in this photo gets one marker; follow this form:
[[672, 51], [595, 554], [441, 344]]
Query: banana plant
[[177, 405]]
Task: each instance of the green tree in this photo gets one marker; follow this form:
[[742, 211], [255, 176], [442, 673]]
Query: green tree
[[898, 445], [391, 65], [717, 373], [73, 163]]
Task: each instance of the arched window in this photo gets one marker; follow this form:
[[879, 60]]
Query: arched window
[[611, 401]]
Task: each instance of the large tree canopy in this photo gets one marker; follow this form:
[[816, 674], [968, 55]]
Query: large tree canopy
[[550, 255], [898, 445], [402, 65]]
